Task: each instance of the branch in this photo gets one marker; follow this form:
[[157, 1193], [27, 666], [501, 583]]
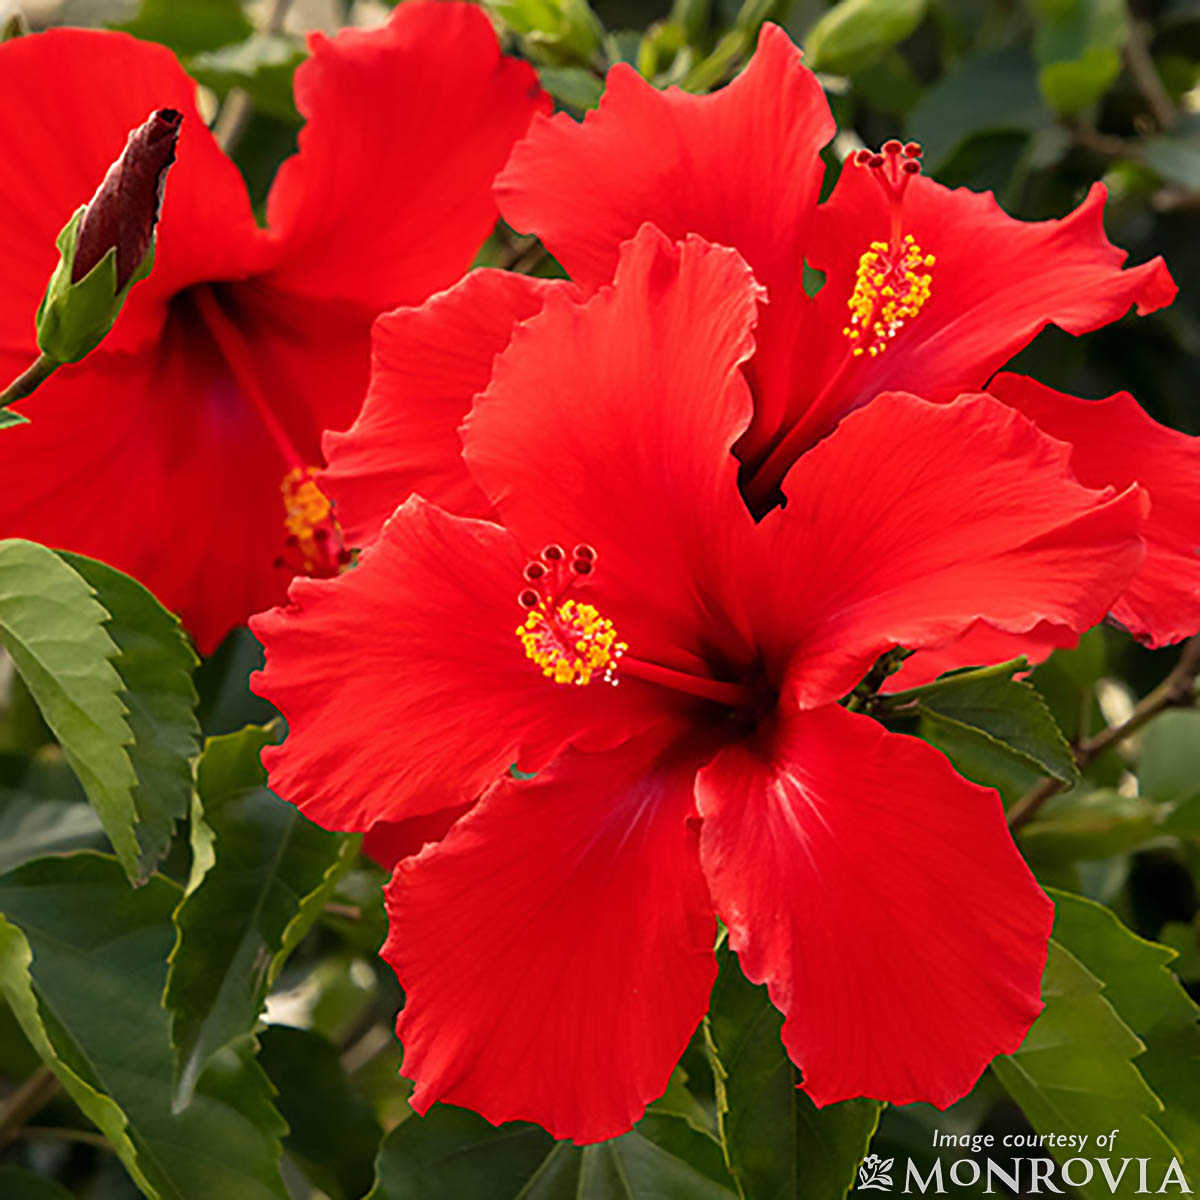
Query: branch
[[28, 1100], [1177, 690], [1145, 76]]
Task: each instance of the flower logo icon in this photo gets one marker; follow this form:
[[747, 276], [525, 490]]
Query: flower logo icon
[[874, 1173]]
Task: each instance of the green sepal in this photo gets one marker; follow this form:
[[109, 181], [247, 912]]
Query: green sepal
[[74, 318]]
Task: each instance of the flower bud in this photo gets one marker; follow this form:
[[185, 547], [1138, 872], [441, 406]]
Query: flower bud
[[108, 245]]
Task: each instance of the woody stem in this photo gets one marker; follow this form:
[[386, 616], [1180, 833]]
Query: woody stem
[[1177, 690]]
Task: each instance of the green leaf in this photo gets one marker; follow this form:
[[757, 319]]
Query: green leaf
[[8, 418], [82, 965], [1084, 824], [855, 33], [16, 1184], [1000, 712], [452, 1152], [1078, 46], [780, 1145], [1074, 1071], [155, 661], [333, 1132], [1169, 761], [1139, 984], [1175, 154], [190, 26], [573, 86], [31, 826], [269, 872], [53, 628], [995, 91]]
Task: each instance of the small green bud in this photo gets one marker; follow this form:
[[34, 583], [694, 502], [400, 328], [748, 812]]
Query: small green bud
[[108, 245], [558, 32]]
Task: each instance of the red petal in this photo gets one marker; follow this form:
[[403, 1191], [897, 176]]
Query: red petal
[[427, 365], [68, 99], [163, 466], [665, 157], [982, 645], [740, 167], [997, 283], [404, 685], [965, 511], [556, 949], [882, 901], [387, 842], [391, 193], [1115, 443], [610, 423], [145, 463]]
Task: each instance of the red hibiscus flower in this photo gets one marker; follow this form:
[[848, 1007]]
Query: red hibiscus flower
[[182, 451], [925, 288], [556, 945]]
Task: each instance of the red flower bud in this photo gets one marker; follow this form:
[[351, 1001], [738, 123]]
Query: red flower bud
[[123, 212]]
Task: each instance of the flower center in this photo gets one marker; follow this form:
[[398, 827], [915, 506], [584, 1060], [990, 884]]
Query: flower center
[[313, 545], [892, 281], [570, 641]]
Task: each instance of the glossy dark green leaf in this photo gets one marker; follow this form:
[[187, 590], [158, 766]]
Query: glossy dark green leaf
[[155, 661], [780, 1144], [53, 628], [452, 1152], [1075, 1070], [83, 964], [1140, 985], [332, 1130], [855, 33], [261, 874], [190, 26], [31, 826], [1001, 712]]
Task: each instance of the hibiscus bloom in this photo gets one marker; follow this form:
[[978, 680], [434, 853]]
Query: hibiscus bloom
[[182, 451], [925, 288], [556, 945]]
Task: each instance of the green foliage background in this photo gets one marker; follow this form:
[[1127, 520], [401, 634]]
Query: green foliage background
[[136, 1056]]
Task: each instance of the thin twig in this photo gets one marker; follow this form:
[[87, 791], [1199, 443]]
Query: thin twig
[[1145, 77], [1177, 690], [45, 1133], [29, 380], [235, 112], [28, 1100]]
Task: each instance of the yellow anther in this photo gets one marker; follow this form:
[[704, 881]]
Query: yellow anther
[[571, 643], [310, 524], [890, 288]]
